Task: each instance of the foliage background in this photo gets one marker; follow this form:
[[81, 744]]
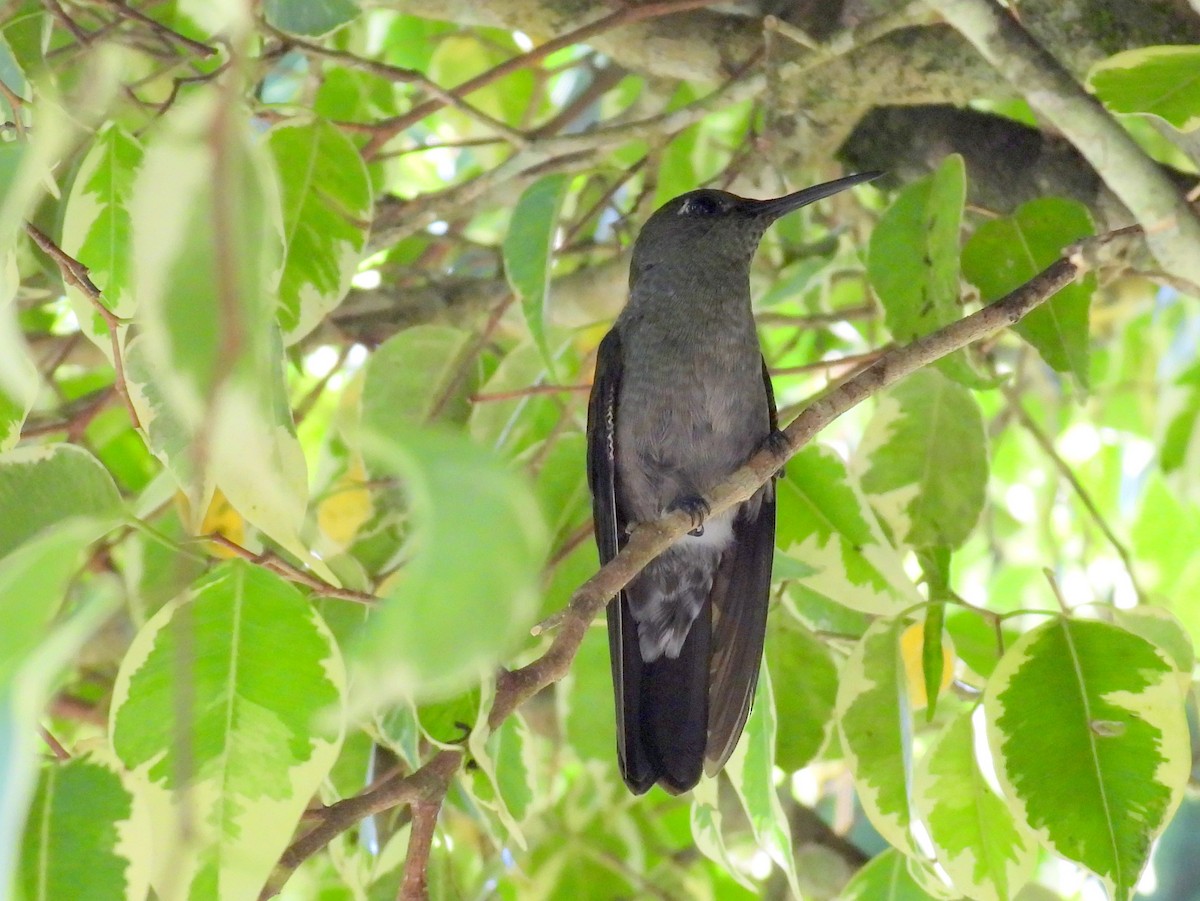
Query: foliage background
[[300, 303]]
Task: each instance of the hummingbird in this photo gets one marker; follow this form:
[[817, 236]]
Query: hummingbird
[[680, 399]]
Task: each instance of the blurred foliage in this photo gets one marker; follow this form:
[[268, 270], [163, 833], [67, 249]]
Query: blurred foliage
[[287, 480]]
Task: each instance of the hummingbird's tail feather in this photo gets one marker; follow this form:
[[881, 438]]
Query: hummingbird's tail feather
[[740, 596], [662, 706]]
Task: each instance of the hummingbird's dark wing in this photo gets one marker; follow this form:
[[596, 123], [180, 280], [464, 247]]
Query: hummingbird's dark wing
[[740, 595], [609, 527], [662, 706]]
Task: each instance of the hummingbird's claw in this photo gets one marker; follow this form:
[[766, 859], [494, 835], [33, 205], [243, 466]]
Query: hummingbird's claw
[[697, 510]]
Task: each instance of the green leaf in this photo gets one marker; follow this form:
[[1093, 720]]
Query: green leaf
[[513, 423], [587, 695], [873, 724], [924, 460], [974, 837], [708, 832], [97, 229], [825, 523], [1157, 81], [260, 733], [751, 770], [207, 245], [468, 587], [529, 252], [1007, 252], [410, 373], [913, 260], [41, 487], [1108, 702], [326, 198], [36, 644], [804, 680], [935, 568], [885, 878], [85, 838], [20, 380], [309, 17]]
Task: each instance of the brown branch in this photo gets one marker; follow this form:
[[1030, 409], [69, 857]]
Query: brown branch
[[527, 392], [166, 34], [271, 561], [442, 96], [650, 539], [626, 15], [415, 884], [76, 274], [55, 745], [426, 784]]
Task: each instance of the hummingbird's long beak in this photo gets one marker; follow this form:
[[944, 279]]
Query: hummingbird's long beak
[[780, 206]]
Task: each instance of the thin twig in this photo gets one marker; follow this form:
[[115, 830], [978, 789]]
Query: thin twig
[[528, 391], [1047, 445], [162, 31], [55, 745], [76, 274], [626, 15], [276, 564]]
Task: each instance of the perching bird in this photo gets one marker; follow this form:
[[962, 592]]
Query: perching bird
[[682, 398]]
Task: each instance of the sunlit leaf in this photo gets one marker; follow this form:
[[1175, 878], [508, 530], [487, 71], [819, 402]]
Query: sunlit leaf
[[1108, 700], [924, 460], [804, 683], [85, 837], [261, 733], [874, 723], [976, 841], [326, 200]]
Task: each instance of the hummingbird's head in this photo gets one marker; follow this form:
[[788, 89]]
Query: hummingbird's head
[[715, 226]]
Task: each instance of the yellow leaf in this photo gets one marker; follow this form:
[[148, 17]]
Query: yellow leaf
[[347, 506], [912, 641]]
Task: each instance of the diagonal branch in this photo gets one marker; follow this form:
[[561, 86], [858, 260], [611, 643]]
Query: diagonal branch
[[650, 539]]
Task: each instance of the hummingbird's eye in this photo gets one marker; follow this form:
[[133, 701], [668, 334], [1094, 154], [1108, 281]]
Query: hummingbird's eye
[[700, 205]]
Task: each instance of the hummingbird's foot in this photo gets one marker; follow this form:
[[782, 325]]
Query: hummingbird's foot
[[697, 510], [777, 444]]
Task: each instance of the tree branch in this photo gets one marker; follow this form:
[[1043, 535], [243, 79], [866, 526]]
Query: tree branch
[[1172, 230], [650, 539]]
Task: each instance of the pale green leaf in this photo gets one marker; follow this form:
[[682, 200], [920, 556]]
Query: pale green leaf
[[751, 770], [19, 377], [913, 260], [36, 644], [885, 878], [85, 837], [873, 720], [986, 855], [923, 458], [1157, 81], [708, 832], [42, 486], [310, 17], [804, 680], [97, 229], [1106, 701], [207, 247], [529, 252], [413, 374], [260, 734], [1007, 252], [468, 587], [825, 523], [326, 199]]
